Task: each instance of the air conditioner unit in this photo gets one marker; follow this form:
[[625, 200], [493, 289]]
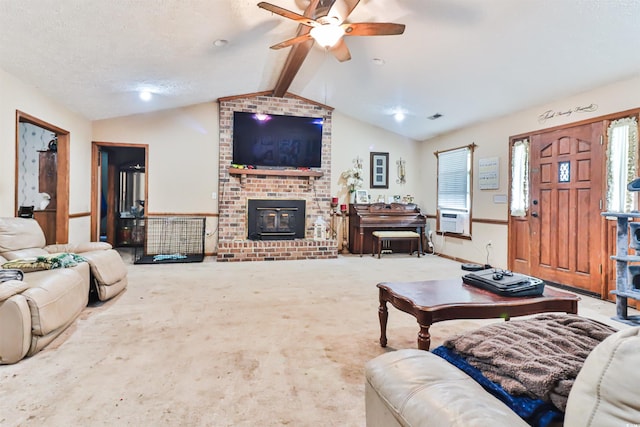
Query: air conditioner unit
[[452, 222]]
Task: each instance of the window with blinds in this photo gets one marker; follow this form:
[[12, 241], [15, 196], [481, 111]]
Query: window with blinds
[[454, 190], [454, 179]]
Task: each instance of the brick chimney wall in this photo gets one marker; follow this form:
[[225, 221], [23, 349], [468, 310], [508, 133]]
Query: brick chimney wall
[[236, 190]]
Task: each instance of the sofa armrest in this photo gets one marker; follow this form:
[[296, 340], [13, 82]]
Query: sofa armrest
[[418, 388], [11, 288], [605, 392], [78, 248], [15, 333]]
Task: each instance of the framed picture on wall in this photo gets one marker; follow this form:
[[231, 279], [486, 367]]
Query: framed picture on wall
[[379, 170]]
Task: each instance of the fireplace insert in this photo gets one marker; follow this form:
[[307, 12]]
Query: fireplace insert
[[276, 219]]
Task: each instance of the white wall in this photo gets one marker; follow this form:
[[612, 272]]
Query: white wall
[[353, 138], [492, 139], [17, 95], [183, 155]]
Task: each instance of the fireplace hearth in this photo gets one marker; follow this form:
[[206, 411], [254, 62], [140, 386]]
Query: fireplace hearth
[[276, 219]]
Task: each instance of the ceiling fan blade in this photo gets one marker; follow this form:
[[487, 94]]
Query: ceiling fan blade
[[296, 56], [288, 14], [373, 29], [341, 51], [292, 41], [341, 9]]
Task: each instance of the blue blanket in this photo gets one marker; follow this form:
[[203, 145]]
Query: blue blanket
[[535, 412]]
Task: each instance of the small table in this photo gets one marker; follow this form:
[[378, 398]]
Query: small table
[[437, 300]]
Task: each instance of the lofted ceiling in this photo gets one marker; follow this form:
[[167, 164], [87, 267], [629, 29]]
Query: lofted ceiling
[[469, 60]]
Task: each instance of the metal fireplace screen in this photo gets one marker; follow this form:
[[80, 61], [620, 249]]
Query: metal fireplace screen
[[171, 240], [275, 219]]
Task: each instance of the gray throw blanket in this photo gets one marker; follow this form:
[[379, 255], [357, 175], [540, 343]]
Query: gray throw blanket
[[538, 357]]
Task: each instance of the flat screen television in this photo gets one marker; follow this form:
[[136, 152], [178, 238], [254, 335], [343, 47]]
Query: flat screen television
[[277, 141]]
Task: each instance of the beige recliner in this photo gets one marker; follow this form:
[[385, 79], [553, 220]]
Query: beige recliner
[[36, 310], [108, 271], [23, 238]]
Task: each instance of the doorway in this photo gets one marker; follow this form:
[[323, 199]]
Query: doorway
[[561, 236], [118, 191], [567, 190], [42, 176]]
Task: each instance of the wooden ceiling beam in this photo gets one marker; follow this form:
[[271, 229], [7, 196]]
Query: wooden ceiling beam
[[296, 56]]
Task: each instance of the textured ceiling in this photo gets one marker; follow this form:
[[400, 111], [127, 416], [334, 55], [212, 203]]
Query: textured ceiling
[[470, 60]]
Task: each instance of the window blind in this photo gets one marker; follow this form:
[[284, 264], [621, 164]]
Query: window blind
[[453, 179]]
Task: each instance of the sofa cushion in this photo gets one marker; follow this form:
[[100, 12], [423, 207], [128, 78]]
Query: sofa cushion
[[605, 392], [20, 233], [56, 296]]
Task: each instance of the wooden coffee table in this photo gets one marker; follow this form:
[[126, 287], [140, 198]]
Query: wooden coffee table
[[437, 300]]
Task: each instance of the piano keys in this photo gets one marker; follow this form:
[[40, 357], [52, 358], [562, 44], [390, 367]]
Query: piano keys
[[364, 219]]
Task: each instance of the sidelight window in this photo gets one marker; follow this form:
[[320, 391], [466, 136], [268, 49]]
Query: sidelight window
[[520, 177], [621, 163]]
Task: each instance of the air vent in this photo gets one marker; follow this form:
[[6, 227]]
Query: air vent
[[435, 116]]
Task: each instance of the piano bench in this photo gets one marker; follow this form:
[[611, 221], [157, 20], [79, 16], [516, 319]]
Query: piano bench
[[388, 236]]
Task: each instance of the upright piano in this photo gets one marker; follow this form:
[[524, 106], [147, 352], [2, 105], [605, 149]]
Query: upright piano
[[364, 219]]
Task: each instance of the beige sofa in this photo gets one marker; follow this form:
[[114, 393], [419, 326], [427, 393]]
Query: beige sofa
[[36, 310], [418, 388]]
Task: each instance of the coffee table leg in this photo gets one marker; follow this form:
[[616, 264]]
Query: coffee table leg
[[424, 338], [383, 314]]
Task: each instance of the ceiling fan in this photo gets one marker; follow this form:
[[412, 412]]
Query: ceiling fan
[[324, 22]]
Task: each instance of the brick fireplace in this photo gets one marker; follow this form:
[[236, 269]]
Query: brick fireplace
[[238, 186]]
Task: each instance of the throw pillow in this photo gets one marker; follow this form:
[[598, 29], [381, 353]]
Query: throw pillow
[[45, 262]]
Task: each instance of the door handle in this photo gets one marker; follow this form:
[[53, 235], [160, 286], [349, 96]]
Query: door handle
[[534, 214]]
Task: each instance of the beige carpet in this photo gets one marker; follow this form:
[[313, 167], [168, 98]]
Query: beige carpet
[[217, 344]]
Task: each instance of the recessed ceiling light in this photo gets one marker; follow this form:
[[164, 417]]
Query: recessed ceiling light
[[145, 95], [220, 42], [399, 116], [378, 61]]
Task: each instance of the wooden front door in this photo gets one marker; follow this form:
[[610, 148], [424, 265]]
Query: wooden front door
[[566, 243]]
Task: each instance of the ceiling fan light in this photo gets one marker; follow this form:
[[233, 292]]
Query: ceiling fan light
[[327, 35]]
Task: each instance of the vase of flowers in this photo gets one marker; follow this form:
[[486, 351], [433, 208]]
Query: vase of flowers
[[353, 178]]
